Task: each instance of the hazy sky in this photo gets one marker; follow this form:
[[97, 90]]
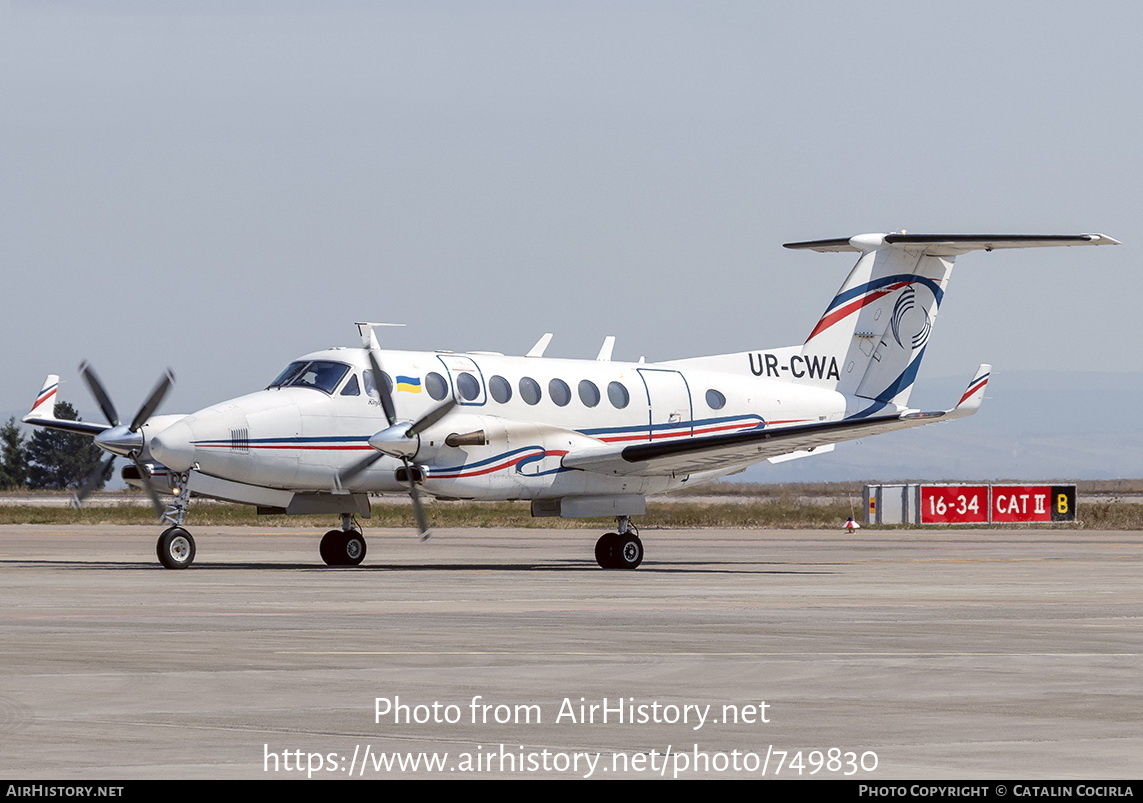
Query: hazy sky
[[220, 186]]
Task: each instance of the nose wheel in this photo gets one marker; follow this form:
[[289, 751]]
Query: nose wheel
[[175, 548]]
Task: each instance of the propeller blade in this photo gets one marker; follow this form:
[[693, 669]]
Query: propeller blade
[[418, 507], [349, 473], [382, 389], [101, 397], [431, 417], [97, 477], [153, 401], [146, 476], [426, 421]]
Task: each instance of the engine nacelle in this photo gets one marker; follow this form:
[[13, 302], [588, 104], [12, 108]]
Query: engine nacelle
[[159, 477]]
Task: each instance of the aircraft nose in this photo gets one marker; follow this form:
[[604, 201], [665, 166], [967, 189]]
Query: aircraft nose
[[173, 448]]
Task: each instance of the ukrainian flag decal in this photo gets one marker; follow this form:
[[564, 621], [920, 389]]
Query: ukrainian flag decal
[[409, 384]]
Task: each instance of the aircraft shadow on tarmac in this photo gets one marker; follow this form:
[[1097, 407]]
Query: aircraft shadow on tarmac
[[690, 567]]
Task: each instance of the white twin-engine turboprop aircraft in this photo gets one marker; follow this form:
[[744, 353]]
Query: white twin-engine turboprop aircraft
[[578, 438]]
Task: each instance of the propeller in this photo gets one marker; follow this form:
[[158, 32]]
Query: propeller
[[398, 440], [123, 441]]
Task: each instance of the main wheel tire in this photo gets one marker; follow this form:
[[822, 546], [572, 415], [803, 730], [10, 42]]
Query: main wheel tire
[[340, 548], [607, 551], [628, 552], [353, 549], [175, 548], [330, 548]]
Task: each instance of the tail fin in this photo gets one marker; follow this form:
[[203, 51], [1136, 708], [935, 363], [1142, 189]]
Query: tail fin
[[871, 339]]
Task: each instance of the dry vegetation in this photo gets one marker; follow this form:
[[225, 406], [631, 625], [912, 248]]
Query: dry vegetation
[[743, 505], [455, 514]]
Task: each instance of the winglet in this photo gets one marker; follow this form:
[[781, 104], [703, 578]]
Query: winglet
[[43, 412], [969, 403], [973, 395], [45, 405]]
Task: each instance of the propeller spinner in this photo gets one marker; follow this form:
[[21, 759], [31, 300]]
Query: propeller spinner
[[122, 441]]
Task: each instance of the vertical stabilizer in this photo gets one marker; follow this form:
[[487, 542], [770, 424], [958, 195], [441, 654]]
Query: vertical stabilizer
[[873, 333], [871, 339]]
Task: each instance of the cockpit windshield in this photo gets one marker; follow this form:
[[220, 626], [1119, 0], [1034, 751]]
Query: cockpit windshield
[[284, 378], [321, 375]]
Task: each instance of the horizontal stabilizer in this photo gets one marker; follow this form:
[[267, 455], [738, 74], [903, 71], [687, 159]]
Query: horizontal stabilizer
[[950, 244]]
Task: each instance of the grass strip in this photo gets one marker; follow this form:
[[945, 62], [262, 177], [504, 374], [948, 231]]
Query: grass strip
[[775, 513]]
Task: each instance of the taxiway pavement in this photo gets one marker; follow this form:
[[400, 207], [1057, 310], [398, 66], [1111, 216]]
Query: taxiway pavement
[[931, 654]]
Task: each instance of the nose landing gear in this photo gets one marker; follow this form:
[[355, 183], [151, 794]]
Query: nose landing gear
[[175, 547]]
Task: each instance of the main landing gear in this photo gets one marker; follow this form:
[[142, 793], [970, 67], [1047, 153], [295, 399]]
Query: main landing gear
[[621, 550], [344, 547]]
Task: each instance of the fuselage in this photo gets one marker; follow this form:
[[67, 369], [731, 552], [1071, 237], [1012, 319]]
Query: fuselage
[[516, 419], [579, 438]]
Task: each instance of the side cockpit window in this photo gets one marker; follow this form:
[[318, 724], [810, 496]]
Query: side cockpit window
[[351, 387]]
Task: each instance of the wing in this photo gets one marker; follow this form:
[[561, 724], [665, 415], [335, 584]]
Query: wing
[[744, 448]]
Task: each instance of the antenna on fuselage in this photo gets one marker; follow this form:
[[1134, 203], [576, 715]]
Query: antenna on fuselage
[[606, 349], [368, 336], [541, 346]]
